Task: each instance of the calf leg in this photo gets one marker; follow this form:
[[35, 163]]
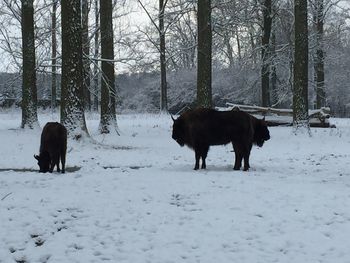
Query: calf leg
[[55, 160]]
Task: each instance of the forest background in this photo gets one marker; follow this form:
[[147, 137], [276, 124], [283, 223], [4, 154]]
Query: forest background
[[237, 28]]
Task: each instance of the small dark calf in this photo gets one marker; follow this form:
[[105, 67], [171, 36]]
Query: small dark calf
[[53, 147]]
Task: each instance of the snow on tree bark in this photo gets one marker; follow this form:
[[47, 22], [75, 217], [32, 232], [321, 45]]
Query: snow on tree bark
[[29, 89], [72, 102]]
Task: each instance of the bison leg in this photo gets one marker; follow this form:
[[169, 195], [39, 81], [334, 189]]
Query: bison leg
[[204, 156], [238, 156], [52, 166], [246, 157], [63, 160], [197, 156], [246, 161], [57, 163]]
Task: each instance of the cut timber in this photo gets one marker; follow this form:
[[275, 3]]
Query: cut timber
[[284, 117]]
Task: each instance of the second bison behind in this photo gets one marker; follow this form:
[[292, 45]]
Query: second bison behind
[[201, 128]]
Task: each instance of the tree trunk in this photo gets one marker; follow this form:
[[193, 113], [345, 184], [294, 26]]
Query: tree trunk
[[96, 46], [204, 89], [265, 54], [319, 57], [54, 55], [163, 79], [227, 43], [252, 43], [29, 89], [300, 84], [108, 113], [86, 53], [274, 93], [239, 49], [72, 93]]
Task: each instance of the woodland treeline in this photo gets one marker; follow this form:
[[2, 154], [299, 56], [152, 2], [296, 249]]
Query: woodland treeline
[[291, 54]]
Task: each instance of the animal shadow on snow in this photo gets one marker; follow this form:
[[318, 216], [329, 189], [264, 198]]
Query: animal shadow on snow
[[22, 170], [213, 168]]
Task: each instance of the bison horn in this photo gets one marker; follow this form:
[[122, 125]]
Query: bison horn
[[172, 117], [36, 157]]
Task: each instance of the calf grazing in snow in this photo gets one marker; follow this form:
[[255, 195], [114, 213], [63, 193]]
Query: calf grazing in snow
[[201, 128], [53, 147]]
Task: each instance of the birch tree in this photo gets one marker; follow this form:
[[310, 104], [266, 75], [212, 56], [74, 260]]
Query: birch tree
[[29, 89]]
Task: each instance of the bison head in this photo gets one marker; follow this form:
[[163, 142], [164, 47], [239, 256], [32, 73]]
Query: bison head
[[43, 162], [179, 131], [261, 133]]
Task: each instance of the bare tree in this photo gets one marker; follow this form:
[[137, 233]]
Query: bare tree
[[72, 102], [29, 89], [265, 54], [108, 92], [273, 93], [163, 83], [300, 86], [54, 54], [204, 89], [96, 53], [162, 50], [86, 51], [319, 76]]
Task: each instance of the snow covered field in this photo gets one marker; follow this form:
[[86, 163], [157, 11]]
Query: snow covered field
[[137, 199]]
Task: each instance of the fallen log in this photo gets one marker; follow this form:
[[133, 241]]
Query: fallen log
[[284, 117]]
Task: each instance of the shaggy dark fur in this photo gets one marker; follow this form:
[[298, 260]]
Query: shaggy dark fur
[[53, 147], [201, 128]]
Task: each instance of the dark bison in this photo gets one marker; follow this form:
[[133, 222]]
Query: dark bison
[[201, 128], [53, 147]]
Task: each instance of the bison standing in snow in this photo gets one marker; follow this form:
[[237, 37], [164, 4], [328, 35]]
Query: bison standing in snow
[[53, 147], [201, 128]]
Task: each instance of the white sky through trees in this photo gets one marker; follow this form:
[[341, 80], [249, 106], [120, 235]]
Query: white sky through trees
[[131, 17]]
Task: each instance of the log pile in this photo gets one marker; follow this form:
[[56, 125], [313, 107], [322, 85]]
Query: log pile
[[284, 117]]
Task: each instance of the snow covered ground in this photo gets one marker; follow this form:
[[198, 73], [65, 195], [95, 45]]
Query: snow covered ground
[[137, 199]]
